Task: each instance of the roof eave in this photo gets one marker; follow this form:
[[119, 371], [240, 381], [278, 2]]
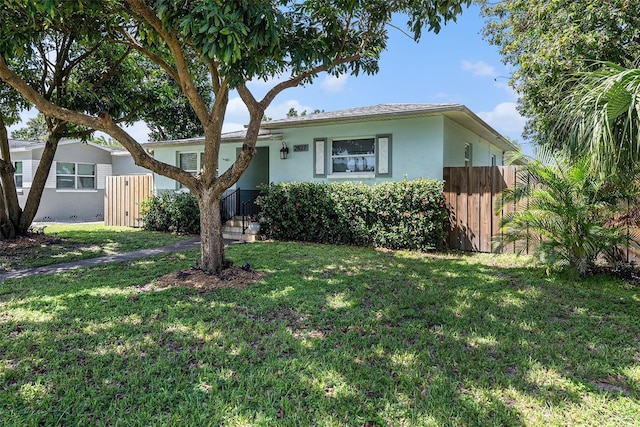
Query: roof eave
[[390, 115]]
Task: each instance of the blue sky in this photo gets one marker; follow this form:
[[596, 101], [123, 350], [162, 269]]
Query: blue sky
[[454, 66]]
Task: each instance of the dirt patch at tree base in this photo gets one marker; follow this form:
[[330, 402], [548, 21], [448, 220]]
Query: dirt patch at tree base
[[236, 277], [28, 242]]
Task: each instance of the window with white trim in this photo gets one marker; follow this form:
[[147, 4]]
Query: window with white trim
[[18, 174], [468, 153], [190, 162], [353, 155], [75, 176]]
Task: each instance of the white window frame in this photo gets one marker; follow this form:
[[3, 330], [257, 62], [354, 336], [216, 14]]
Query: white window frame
[[199, 159], [468, 154], [382, 153], [21, 174], [354, 161], [76, 176]]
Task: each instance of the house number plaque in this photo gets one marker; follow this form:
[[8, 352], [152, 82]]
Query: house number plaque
[[302, 147]]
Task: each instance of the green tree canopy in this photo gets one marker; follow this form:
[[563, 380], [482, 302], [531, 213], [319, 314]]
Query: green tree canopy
[[546, 41], [63, 59], [34, 130], [600, 119]]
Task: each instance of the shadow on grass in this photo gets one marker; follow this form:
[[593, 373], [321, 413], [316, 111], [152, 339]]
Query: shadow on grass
[[333, 336]]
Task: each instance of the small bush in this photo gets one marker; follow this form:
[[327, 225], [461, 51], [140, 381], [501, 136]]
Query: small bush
[[172, 213], [396, 215]]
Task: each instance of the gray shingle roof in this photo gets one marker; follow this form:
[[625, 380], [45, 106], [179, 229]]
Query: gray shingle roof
[[16, 144], [380, 112], [235, 136]]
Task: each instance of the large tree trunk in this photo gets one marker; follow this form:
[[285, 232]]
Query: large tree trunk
[[212, 259], [37, 186], [10, 210], [7, 228]]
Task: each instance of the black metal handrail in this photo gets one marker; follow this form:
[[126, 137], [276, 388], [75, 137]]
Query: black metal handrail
[[230, 205], [250, 209]]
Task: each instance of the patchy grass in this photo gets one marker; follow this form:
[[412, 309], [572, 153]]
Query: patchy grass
[[332, 336], [72, 242]]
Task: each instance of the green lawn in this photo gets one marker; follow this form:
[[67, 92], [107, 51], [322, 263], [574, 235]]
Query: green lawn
[[82, 241], [332, 336]]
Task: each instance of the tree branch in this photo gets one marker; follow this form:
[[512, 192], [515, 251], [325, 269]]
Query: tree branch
[[184, 76], [76, 61], [113, 70], [154, 57], [296, 80], [104, 124]]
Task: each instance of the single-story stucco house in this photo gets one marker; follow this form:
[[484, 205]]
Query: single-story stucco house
[[367, 144]]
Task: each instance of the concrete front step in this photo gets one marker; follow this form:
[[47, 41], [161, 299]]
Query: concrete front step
[[241, 237], [232, 229]]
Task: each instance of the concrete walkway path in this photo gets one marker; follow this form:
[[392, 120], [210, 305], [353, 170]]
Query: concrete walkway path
[[128, 256]]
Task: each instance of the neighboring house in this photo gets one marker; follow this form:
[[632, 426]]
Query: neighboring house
[[76, 182], [367, 144]]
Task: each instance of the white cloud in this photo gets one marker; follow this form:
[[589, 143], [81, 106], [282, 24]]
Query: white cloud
[[334, 84], [232, 127], [279, 111], [479, 68], [505, 119], [237, 112]]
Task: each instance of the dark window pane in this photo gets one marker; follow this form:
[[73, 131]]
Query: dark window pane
[[66, 168], [84, 169], [86, 182], [65, 182], [189, 162]]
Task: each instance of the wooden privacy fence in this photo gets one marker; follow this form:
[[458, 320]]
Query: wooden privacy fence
[[122, 197], [472, 195]]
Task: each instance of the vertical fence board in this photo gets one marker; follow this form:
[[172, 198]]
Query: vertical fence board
[[473, 209], [462, 203], [486, 211]]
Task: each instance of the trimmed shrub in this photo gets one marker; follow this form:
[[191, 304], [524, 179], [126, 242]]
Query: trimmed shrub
[[395, 215], [171, 212]]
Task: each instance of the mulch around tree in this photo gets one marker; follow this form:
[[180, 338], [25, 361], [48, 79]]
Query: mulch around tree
[[237, 277]]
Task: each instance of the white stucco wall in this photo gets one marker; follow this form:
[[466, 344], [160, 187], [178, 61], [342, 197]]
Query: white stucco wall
[[421, 147], [455, 137], [416, 148]]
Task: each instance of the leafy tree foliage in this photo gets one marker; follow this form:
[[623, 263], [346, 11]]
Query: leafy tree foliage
[[170, 115], [600, 118], [36, 129], [547, 41], [235, 41], [60, 58]]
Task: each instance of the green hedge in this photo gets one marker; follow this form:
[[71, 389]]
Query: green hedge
[[171, 212], [394, 215]]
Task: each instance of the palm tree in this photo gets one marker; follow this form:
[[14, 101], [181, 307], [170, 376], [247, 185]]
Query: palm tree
[[600, 118], [564, 213]]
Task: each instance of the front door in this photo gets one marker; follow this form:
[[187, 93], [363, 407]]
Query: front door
[[255, 175]]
